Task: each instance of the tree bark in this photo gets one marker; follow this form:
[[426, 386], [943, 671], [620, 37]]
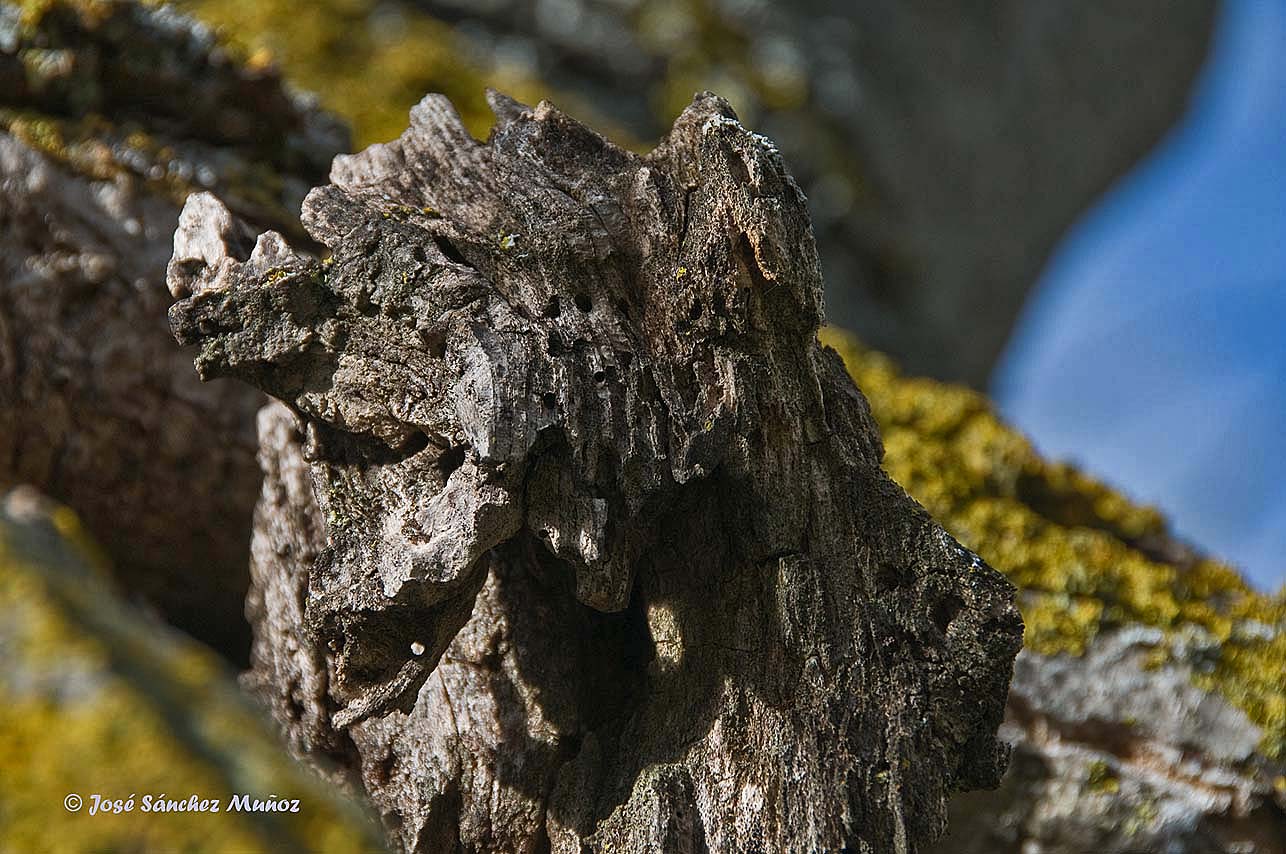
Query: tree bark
[[598, 553], [108, 112]]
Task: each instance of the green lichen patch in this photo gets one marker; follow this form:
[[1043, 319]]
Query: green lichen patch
[[1082, 555], [370, 62], [97, 699], [143, 63], [117, 90], [1102, 778]]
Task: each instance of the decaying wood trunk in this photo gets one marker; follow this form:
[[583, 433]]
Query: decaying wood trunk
[[573, 537]]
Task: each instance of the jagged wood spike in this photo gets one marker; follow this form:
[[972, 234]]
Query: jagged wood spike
[[609, 561]]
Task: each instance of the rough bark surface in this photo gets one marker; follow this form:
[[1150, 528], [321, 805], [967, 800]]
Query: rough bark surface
[[109, 115], [97, 406], [602, 556], [1113, 753]]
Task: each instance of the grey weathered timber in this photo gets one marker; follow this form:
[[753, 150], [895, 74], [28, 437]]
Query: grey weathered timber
[[572, 536]]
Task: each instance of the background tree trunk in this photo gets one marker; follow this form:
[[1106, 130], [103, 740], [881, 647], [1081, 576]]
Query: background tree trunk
[[601, 555], [103, 702], [109, 115]]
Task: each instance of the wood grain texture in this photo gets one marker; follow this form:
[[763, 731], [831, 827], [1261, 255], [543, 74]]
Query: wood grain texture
[[601, 555]]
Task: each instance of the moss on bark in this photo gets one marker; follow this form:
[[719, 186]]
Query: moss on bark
[[97, 698], [1085, 558]]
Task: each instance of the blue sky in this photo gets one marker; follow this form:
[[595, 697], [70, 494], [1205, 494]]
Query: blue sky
[[1153, 351]]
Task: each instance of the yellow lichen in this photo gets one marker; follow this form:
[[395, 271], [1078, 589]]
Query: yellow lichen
[[1102, 778], [97, 700], [1141, 818], [67, 112], [369, 69], [91, 11], [1071, 545]]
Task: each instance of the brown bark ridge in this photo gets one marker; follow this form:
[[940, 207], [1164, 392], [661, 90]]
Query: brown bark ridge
[[601, 557]]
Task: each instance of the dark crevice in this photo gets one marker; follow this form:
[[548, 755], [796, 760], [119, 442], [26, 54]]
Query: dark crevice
[[436, 343], [416, 443], [737, 166], [451, 459], [337, 447], [890, 577], [383, 770], [687, 207], [448, 249], [945, 611]]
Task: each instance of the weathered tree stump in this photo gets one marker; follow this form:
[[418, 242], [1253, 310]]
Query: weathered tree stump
[[577, 539]]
